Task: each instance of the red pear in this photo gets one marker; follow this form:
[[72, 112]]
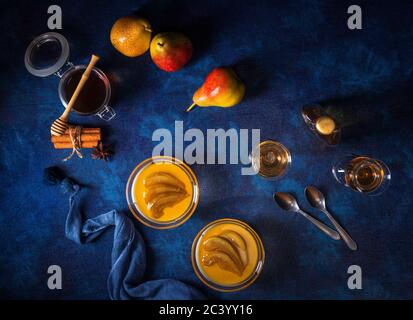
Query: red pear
[[221, 88], [170, 51]]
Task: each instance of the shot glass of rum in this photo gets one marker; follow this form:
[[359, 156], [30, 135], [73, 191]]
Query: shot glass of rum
[[362, 174], [270, 159]]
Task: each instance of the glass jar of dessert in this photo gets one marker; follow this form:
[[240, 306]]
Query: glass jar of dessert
[[48, 54], [227, 255], [162, 192]]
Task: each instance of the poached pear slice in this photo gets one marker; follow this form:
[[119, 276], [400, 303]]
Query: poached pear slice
[[164, 200], [238, 242], [235, 238], [223, 260], [219, 244], [158, 189], [162, 178]]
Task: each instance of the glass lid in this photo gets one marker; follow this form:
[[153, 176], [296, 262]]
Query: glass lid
[[46, 54]]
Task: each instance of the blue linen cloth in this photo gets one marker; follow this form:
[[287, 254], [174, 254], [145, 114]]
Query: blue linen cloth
[[128, 252]]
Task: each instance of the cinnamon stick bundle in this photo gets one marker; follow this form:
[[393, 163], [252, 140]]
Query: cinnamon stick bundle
[[89, 138]]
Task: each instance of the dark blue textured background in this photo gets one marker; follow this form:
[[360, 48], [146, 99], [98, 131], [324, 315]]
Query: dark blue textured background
[[288, 53]]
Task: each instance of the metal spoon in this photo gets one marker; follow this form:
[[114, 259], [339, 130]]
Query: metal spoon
[[288, 203], [317, 200]]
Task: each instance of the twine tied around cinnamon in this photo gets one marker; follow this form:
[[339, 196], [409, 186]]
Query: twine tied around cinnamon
[[75, 133]]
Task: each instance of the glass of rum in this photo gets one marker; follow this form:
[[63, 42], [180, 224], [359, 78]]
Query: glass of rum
[[270, 159], [362, 174]]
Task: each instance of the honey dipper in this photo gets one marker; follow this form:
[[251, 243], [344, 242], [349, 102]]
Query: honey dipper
[[60, 125]]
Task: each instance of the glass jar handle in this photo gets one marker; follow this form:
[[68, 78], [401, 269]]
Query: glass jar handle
[[68, 65], [107, 113]]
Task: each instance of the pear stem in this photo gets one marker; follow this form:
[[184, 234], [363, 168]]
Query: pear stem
[[191, 107]]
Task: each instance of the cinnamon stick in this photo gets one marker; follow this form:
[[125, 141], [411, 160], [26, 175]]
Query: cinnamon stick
[[68, 145], [87, 130], [83, 137]]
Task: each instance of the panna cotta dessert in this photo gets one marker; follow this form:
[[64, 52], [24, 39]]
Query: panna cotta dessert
[[227, 255], [162, 192]]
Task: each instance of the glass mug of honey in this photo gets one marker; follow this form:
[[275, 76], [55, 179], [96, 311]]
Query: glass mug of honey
[[362, 174], [48, 54]]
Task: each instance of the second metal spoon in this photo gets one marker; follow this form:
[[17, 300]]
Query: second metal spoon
[[288, 203], [317, 200]]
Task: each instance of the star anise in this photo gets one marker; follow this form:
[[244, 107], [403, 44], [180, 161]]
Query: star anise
[[100, 152]]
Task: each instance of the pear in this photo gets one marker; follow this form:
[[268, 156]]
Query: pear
[[164, 200], [235, 238], [162, 178], [224, 246], [238, 242], [158, 189], [221, 88], [162, 190], [170, 51], [223, 260], [131, 35]]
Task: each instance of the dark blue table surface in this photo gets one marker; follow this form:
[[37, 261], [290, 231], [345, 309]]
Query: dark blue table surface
[[289, 53]]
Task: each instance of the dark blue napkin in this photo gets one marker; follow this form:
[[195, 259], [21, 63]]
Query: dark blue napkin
[[128, 252]]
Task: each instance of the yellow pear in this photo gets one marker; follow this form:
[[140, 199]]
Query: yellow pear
[[131, 35], [221, 88]]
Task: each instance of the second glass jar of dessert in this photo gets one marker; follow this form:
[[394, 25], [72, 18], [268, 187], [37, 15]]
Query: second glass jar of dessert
[[227, 255]]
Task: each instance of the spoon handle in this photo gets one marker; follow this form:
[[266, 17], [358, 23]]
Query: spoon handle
[[327, 230], [343, 233]]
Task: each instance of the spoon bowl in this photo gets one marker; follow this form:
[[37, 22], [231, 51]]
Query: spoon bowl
[[317, 200], [286, 201]]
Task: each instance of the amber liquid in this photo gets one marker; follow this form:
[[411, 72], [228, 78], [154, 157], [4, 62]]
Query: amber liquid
[[273, 159], [311, 114], [364, 174], [92, 96]]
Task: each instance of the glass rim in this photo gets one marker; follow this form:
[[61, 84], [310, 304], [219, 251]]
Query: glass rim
[[386, 176], [375, 192], [61, 59], [279, 144], [238, 286], [152, 223]]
